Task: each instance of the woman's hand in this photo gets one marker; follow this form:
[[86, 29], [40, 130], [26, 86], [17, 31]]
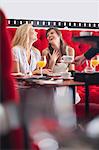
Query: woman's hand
[[47, 71], [53, 58], [55, 55], [37, 71], [79, 60]]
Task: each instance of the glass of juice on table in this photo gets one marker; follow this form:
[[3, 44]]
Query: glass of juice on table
[[41, 64], [95, 62]]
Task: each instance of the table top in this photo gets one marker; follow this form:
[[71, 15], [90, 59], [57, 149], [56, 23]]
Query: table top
[[61, 83], [49, 83], [90, 78]]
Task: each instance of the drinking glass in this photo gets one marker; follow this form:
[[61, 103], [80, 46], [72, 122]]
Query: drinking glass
[[41, 64], [94, 62], [88, 68]]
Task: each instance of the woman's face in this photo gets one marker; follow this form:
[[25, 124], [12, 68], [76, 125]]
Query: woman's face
[[52, 36], [32, 35]]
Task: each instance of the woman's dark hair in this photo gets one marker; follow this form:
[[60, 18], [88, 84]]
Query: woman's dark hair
[[62, 44]]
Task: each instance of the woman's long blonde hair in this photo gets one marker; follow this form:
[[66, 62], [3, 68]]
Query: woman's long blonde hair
[[21, 36]]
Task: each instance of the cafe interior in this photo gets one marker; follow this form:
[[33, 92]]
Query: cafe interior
[[39, 111]]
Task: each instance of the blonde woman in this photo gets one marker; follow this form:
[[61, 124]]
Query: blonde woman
[[25, 55]]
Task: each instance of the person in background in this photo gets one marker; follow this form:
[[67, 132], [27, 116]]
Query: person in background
[[11, 129], [88, 55], [7, 85], [56, 49], [94, 50], [25, 55]]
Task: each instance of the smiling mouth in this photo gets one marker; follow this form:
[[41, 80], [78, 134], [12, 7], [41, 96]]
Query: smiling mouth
[[51, 39]]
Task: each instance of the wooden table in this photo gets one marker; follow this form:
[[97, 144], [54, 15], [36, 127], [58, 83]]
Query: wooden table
[[38, 100], [38, 95]]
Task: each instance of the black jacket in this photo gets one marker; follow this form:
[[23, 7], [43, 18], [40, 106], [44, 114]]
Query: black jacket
[[91, 53]]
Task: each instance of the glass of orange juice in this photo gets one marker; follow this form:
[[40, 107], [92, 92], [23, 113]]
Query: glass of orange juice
[[41, 64], [88, 68], [94, 62]]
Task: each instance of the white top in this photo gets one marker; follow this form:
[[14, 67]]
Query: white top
[[19, 55]]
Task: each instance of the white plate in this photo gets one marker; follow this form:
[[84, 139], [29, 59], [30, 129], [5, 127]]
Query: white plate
[[68, 78], [55, 74]]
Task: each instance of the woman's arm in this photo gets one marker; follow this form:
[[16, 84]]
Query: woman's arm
[[71, 52], [45, 71], [16, 68], [79, 60], [46, 53]]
